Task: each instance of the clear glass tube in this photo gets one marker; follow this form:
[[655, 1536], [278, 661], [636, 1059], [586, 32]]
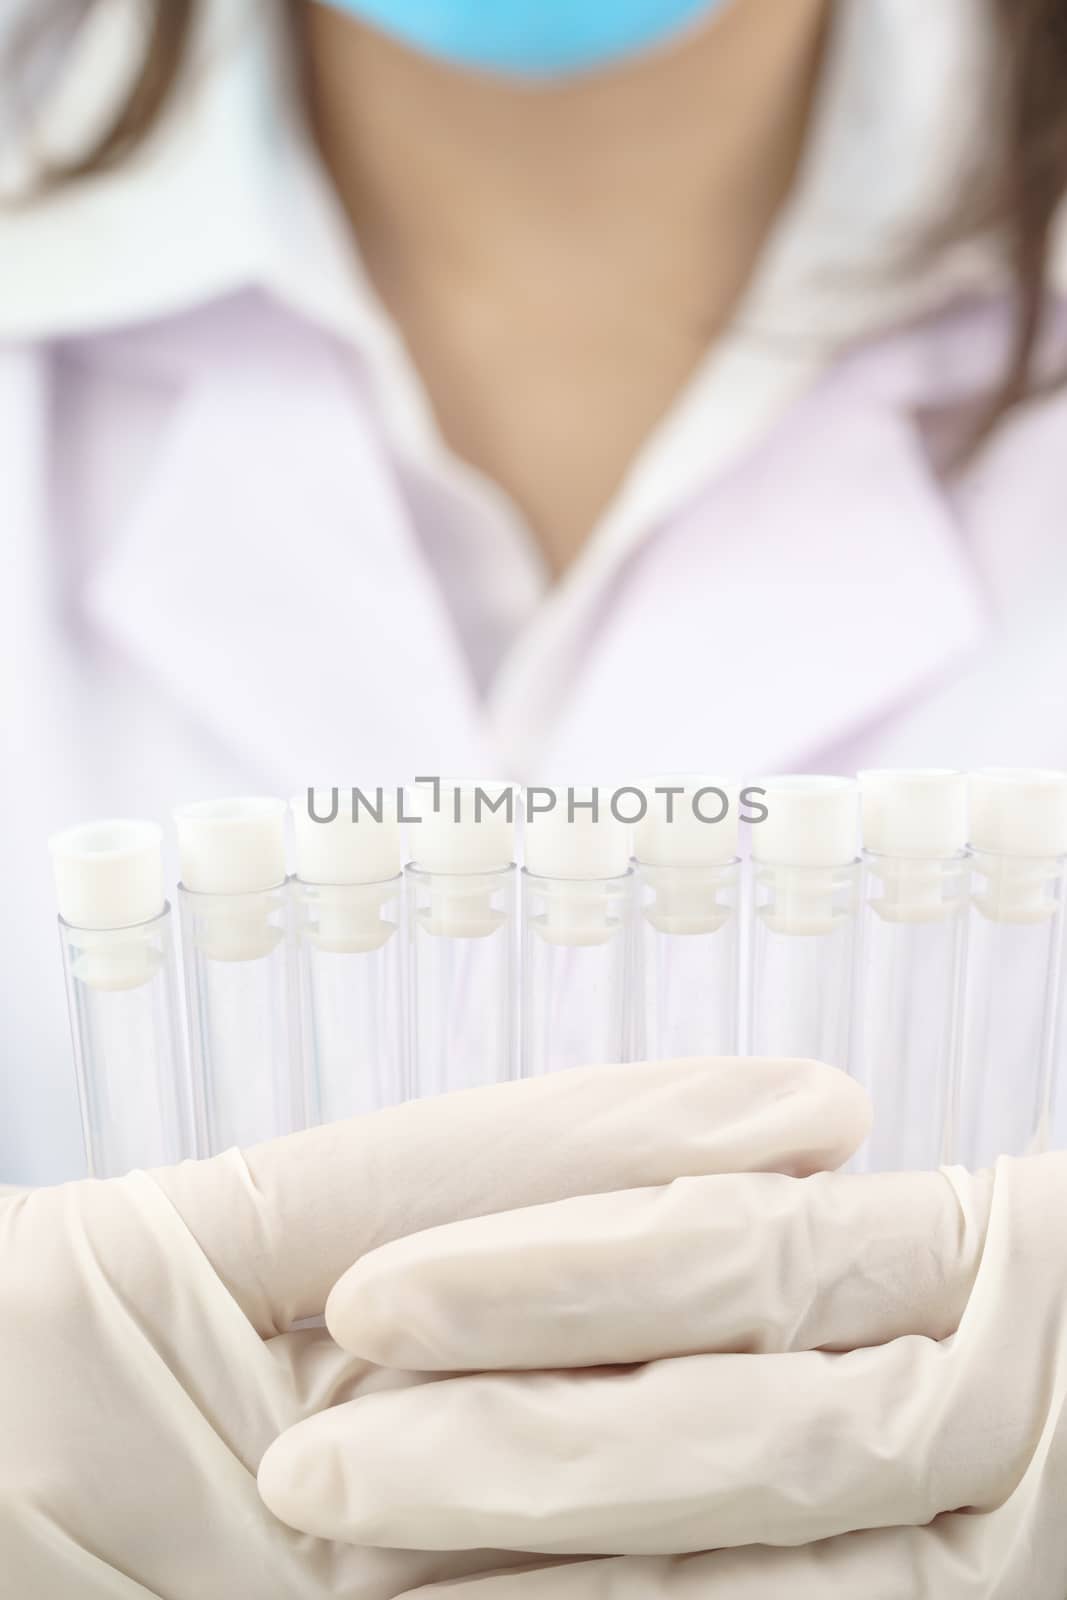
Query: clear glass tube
[[578, 972], [803, 927], [353, 1023], [1058, 1116], [1013, 996], [133, 1087], [240, 983], [910, 966], [1058, 1092], [462, 973], [689, 931]]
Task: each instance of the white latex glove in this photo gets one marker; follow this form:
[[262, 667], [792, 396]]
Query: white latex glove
[[145, 1362], [942, 1425]]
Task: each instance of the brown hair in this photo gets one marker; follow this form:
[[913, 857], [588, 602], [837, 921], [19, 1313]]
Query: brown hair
[[1030, 179], [1017, 194], [168, 35]]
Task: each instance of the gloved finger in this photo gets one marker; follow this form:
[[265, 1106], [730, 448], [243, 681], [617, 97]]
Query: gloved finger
[[956, 1558], [743, 1263], [701, 1453], [281, 1222]]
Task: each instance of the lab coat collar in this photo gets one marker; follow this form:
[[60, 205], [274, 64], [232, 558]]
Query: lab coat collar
[[268, 577], [226, 195]]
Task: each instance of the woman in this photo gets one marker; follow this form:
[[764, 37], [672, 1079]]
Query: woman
[[620, 400], [603, 449]]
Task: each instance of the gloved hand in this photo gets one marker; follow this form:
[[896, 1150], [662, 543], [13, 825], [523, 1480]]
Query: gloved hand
[[147, 1348], [895, 1386]]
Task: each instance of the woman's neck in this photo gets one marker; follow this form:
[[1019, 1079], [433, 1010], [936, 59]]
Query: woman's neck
[[559, 257]]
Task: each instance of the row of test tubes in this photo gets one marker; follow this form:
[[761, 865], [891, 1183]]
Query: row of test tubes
[[407, 955]]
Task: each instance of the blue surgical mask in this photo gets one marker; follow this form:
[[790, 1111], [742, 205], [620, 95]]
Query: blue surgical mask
[[531, 38]]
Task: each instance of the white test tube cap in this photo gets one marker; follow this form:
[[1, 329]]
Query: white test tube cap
[[1018, 812], [915, 814], [690, 822], [578, 839], [470, 831], [108, 874], [338, 843], [232, 846], [810, 822]]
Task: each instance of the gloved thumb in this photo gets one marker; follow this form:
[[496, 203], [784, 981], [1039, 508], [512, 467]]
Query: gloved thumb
[[281, 1222]]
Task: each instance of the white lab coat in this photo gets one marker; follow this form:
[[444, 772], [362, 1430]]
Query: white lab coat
[[248, 609]]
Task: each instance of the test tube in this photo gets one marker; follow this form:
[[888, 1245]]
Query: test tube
[[910, 965], [118, 961], [462, 916], [349, 894], [240, 972], [578, 932], [1018, 830], [1058, 1111], [805, 891], [688, 921]]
